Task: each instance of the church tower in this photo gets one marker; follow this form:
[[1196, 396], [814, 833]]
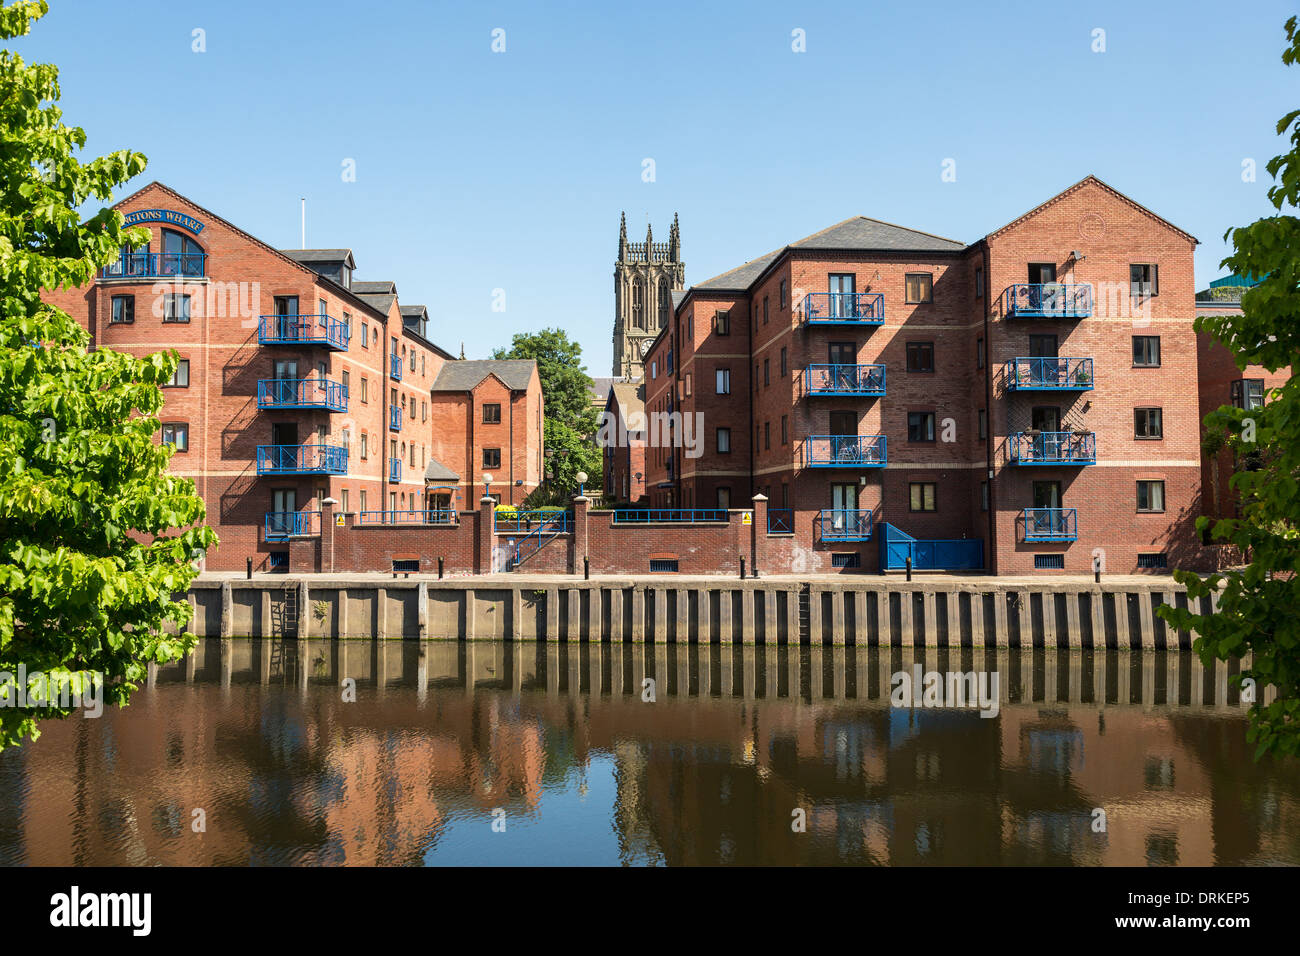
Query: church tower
[[645, 276]]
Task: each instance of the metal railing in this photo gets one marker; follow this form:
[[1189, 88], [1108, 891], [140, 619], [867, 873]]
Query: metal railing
[[1047, 300], [845, 451], [1053, 448], [835, 308], [780, 520], [291, 524], [845, 380], [302, 460], [527, 522], [394, 469], [834, 524], [302, 393], [395, 418], [1050, 524], [673, 515], [1049, 373], [435, 517], [303, 330], [394, 367], [156, 265]]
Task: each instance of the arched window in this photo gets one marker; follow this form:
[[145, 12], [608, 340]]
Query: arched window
[[638, 315], [181, 255], [663, 304]]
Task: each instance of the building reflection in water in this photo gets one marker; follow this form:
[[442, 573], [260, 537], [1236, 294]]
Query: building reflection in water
[[557, 742]]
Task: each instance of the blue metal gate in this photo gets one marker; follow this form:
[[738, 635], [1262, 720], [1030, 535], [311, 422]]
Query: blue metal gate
[[956, 554]]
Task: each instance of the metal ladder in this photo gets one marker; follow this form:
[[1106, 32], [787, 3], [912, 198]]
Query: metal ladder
[[805, 612], [289, 611]]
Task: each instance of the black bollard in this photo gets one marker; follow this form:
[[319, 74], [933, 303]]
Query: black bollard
[[909, 567], [440, 569], [250, 569], [742, 569], [586, 569]]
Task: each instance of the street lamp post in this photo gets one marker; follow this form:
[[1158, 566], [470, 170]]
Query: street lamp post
[[487, 485], [582, 480]]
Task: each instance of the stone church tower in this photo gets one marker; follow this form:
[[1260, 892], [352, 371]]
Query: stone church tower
[[645, 276]]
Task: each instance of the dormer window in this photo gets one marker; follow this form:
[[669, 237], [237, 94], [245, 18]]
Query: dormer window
[[345, 276]]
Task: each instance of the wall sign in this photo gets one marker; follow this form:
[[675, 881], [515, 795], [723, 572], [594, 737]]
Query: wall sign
[[170, 216]]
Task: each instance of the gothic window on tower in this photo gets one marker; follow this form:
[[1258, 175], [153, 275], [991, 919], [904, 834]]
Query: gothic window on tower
[[663, 305], [638, 318]]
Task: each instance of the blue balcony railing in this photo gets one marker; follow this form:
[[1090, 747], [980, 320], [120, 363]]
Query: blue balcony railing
[[295, 329], [156, 265], [395, 418], [395, 368], [1053, 448], [1050, 524], [521, 521], [302, 460], [834, 524], [1049, 374], [291, 524], [845, 380], [673, 515], [394, 469], [440, 516], [1048, 300], [780, 520], [302, 393], [844, 308], [845, 451]]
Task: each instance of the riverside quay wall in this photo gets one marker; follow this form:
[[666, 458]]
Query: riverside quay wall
[[1118, 613]]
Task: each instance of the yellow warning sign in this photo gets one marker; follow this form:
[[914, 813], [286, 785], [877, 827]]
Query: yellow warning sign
[[749, 518]]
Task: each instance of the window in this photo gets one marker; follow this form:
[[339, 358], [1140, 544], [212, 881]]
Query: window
[[979, 352], [406, 565], [411, 364], [1143, 281], [365, 396], [181, 377], [1041, 273], [1043, 346], [491, 414], [347, 324], [722, 323], [176, 307], [1148, 423], [1150, 496], [784, 300], [1248, 393], [686, 382], [1049, 562], [1150, 561], [983, 424], [365, 336], [1146, 351], [979, 282], [922, 495], [785, 366], [767, 436], [344, 495], [767, 372], [277, 561], [724, 381], [785, 429], [663, 565], [920, 426], [919, 287], [765, 310], [364, 451], [846, 560], [177, 434], [424, 411], [347, 378], [362, 505], [984, 496], [654, 369], [123, 309], [724, 441], [920, 356], [491, 457], [723, 497]]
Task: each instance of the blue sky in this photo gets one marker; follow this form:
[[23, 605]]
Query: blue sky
[[478, 171]]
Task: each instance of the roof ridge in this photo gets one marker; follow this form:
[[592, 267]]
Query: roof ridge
[[1090, 178]]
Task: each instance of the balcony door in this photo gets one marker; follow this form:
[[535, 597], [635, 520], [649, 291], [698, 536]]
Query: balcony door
[[1047, 420], [284, 441], [1041, 273], [1047, 494], [844, 506], [284, 502], [1043, 346], [1044, 367], [286, 373], [842, 287], [843, 357], [844, 448], [286, 316]]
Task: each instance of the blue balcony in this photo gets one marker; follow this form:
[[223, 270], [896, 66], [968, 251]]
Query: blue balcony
[[1049, 374], [845, 380], [156, 265], [395, 418], [844, 308], [845, 451], [840, 525], [1047, 300], [1053, 448], [283, 525], [1050, 524], [302, 460], [780, 520], [322, 330], [394, 368], [441, 516], [394, 469], [670, 515], [302, 393]]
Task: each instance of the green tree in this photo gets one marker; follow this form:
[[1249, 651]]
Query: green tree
[[1257, 603], [571, 422], [95, 536]]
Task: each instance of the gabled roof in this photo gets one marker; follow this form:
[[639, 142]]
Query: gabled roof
[[437, 471], [1093, 181], [629, 395], [320, 255], [600, 387], [461, 376], [374, 288], [414, 311]]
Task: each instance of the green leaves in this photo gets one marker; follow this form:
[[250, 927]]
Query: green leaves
[[95, 535]]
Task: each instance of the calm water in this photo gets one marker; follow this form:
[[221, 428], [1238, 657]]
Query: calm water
[[555, 746]]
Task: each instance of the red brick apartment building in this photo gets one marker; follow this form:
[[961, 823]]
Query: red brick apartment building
[[299, 383], [1022, 403], [625, 470]]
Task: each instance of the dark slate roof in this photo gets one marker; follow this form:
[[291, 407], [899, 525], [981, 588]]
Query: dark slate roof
[[677, 296], [740, 277], [318, 255], [414, 310], [600, 389], [437, 471], [374, 288], [382, 303], [461, 376]]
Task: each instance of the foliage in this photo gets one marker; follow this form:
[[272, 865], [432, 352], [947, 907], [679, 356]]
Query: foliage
[[1256, 614], [90, 554]]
